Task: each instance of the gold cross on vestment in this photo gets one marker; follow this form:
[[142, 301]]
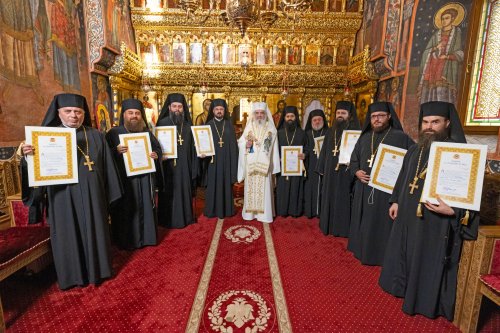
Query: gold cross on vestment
[[221, 143], [370, 161], [413, 185], [180, 140], [335, 150], [88, 162]]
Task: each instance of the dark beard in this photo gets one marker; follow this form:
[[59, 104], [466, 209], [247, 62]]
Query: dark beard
[[290, 125], [425, 140], [177, 119], [382, 128], [340, 124], [137, 127]]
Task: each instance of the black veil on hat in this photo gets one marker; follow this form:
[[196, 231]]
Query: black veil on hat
[[213, 104], [447, 110], [132, 103], [315, 113], [353, 115], [52, 119], [382, 107], [179, 98], [289, 109]]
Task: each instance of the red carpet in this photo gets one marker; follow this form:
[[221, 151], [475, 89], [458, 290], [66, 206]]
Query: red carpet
[[327, 289], [153, 291], [238, 294], [167, 288]]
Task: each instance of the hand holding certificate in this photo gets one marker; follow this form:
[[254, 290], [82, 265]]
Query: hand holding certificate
[[386, 168], [54, 160], [166, 136], [137, 158], [291, 165], [455, 173], [203, 140], [349, 139]]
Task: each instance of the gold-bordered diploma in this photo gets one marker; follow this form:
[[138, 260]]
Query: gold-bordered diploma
[[203, 140], [137, 158], [318, 144], [349, 139], [167, 135], [455, 173], [291, 165], [54, 161], [386, 168]]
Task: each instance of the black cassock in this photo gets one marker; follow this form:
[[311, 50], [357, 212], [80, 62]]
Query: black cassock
[[312, 183], [175, 209], [78, 214], [222, 173], [370, 222], [336, 190], [422, 254], [133, 217], [290, 190]]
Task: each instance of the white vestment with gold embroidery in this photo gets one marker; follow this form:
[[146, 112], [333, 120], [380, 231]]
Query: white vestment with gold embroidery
[[256, 167]]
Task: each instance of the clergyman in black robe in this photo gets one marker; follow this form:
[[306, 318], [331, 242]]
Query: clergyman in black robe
[[370, 222], [78, 213], [290, 189], [337, 181], [221, 169], [133, 217], [316, 127], [175, 208], [424, 247]]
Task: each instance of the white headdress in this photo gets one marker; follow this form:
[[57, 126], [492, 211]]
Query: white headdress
[[260, 106], [314, 105]]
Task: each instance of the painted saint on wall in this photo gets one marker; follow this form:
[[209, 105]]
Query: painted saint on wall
[[442, 57]]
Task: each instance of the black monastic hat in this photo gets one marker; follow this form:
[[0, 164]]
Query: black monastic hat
[[353, 115], [179, 98], [52, 119], [315, 113], [382, 107], [213, 104], [447, 110], [289, 109], [132, 103]]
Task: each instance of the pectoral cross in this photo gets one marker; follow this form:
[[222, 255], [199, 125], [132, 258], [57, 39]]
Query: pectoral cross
[[370, 161], [88, 162], [221, 143], [413, 185], [335, 150], [180, 140]]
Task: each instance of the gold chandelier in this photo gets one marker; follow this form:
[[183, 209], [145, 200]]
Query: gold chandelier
[[244, 14]]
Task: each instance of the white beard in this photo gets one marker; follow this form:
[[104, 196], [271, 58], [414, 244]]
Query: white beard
[[317, 128]]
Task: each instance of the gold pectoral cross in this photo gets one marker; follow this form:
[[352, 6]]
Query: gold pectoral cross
[[221, 143], [370, 161], [180, 140], [335, 150], [413, 185], [88, 162]]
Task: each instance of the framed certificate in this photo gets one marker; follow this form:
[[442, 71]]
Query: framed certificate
[[318, 144], [349, 139], [455, 173], [203, 140], [167, 135], [386, 168], [54, 161], [290, 163], [137, 158]]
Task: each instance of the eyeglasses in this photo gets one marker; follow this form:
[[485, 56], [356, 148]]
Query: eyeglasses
[[378, 116]]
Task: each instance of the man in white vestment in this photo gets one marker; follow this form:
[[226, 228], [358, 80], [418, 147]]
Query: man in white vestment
[[258, 160]]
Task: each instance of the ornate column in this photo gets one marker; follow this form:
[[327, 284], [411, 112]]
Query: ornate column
[[114, 99]]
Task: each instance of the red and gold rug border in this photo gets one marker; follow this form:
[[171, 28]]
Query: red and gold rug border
[[193, 323], [284, 323]]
